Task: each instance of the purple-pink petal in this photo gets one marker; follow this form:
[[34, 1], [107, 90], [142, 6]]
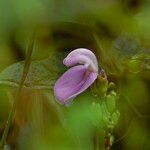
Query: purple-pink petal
[[82, 56], [83, 72], [73, 82]]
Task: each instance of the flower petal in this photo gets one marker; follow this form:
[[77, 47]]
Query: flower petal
[[88, 80], [73, 82], [82, 56]]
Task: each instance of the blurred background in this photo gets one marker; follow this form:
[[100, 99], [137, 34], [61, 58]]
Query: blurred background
[[117, 31]]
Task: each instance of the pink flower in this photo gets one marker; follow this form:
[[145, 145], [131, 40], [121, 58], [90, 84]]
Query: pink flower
[[82, 73]]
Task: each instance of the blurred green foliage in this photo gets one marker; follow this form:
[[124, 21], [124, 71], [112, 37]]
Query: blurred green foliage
[[117, 31]]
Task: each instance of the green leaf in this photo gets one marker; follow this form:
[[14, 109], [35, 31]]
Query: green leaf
[[42, 74], [126, 45]]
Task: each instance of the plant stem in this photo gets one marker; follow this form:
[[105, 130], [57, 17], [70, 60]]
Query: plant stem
[[24, 75]]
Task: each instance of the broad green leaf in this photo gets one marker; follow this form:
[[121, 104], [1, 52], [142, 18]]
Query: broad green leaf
[[126, 45], [42, 74]]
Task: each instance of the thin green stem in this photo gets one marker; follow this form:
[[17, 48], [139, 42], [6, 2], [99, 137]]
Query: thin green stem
[[13, 109]]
